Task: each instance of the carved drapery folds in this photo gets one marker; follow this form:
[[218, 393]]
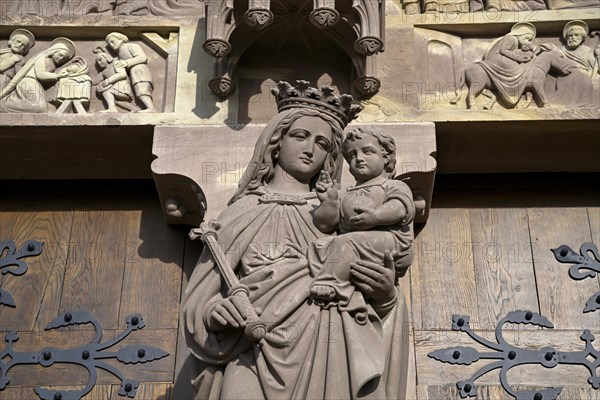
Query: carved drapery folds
[[334, 18], [465, 6]]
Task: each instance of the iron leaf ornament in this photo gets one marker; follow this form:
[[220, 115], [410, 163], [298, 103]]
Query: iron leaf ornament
[[90, 356], [11, 263], [507, 356], [586, 264]]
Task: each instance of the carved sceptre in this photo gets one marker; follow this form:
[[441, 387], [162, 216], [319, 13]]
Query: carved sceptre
[[255, 329]]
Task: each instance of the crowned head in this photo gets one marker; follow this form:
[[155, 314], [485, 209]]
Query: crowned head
[[342, 108]]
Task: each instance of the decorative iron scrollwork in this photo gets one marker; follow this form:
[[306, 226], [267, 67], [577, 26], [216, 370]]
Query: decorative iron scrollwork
[[586, 264], [90, 356], [508, 356], [11, 263]]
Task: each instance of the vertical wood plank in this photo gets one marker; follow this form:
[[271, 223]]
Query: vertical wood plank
[[442, 276], [411, 381], [187, 367], [503, 264], [94, 273], [153, 268], [29, 289], [561, 298], [99, 392], [594, 218], [156, 391]]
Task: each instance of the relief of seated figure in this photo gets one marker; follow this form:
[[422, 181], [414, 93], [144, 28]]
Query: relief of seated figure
[[26, 92], [19, 44], [516, 5], [576, 88], [514, 66]]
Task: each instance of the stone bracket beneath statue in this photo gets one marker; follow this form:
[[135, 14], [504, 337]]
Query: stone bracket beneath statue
[[197, 168]]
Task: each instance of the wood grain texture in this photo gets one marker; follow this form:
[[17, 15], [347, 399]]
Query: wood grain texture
[[154, 391], [411, 380], [65, 374], [562, 299], [187, 367], [432, 372], [99, 392], [442, 276], [153, 257], [449, 392], [94, 274], [594, 218], [503, 264], [35, 290]]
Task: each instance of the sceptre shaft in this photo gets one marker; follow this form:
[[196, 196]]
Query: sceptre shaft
[[255, 329]]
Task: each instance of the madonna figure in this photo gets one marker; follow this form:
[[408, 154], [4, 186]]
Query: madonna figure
[[309, 351]]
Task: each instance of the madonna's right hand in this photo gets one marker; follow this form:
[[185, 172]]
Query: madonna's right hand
[[228, 313]]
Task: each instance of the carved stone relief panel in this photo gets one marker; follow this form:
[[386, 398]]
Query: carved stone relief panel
[[103, 72], [518, 70], [73, 8], [465, 6]]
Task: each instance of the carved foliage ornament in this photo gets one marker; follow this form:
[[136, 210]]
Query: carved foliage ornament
[[324, 17], [368, 45], [222, 86], [367, 86]]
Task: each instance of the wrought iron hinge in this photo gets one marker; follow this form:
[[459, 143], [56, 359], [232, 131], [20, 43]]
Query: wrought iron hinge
[[586, 264], [12, 263], [508, 356], [90, 356]]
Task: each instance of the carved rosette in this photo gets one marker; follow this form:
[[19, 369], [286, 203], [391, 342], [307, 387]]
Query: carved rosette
[[324, 17], [217, 47], [222, 86], [367, 86], [368, 45], [259, 18]]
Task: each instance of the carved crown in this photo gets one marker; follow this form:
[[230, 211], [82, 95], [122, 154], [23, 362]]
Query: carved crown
[[324, 100]]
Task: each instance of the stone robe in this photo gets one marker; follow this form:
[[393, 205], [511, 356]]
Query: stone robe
[[309, 352]]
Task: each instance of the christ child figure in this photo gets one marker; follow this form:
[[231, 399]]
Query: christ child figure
[[373, 218]]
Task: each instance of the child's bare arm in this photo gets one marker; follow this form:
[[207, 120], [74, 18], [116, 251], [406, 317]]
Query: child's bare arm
[[327, 216], [389, 213]]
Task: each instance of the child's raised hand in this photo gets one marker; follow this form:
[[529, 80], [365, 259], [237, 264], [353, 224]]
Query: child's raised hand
[[327, 189]]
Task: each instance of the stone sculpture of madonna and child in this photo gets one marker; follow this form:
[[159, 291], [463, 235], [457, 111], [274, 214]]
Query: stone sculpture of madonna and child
[[312, 349]]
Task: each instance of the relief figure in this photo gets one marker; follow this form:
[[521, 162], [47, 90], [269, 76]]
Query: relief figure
[[266, 232], [131, 57], [516, 5], [114, 85], [576, 88], [513, 66], [446, 6], [19, 44], [25, 92]]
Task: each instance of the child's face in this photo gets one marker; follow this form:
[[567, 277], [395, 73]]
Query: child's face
[[366, 158]]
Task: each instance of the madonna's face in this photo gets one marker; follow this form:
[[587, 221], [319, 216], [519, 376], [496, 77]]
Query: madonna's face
[[60, 57], [304, 149]]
